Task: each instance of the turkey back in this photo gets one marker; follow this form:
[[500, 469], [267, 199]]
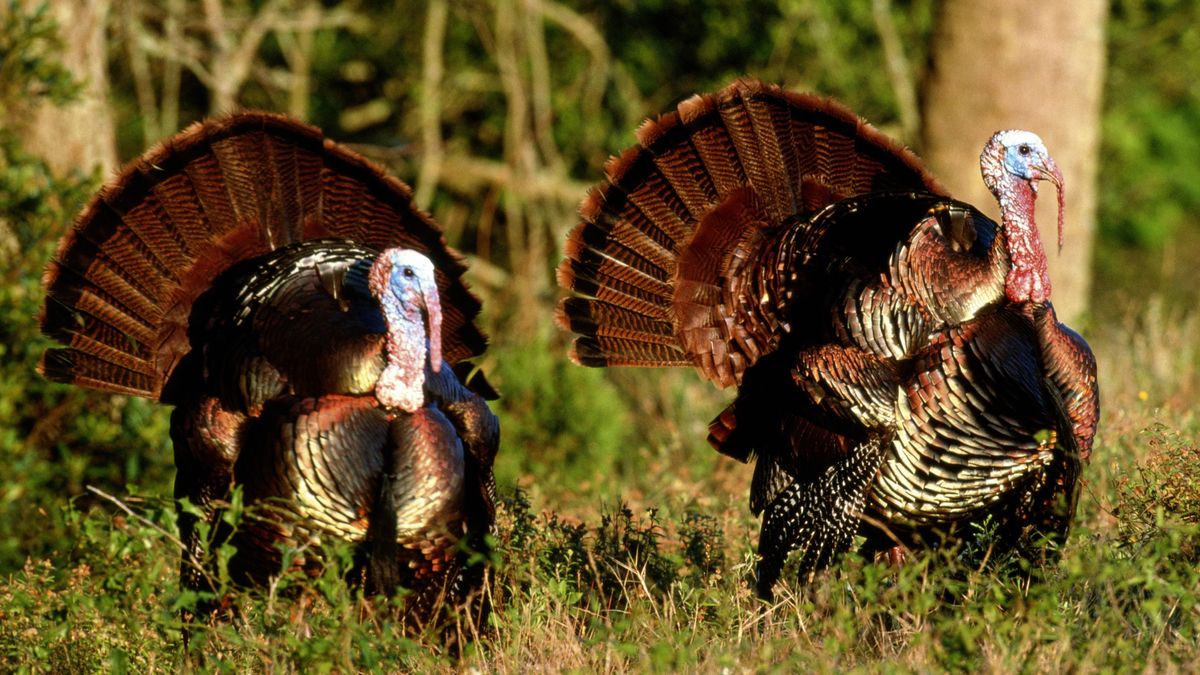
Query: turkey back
[[121, 288]]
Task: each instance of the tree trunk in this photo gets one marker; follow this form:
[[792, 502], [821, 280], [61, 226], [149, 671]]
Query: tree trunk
[[79, 135], [1022, 64]]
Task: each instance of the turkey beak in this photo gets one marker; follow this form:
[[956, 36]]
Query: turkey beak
[[433, 315]]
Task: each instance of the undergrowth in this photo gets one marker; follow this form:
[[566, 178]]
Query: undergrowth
[[626, 590]]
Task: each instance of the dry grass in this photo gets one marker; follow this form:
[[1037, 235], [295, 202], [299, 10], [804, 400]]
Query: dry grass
[[590, 586]]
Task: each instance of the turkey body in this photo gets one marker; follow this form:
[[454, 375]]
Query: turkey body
[[277, 395], [899, 368], [304, 320]]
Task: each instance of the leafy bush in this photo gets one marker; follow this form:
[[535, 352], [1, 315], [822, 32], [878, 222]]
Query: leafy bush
[[628, 591], [1162, 499], [1151, 134], [621, 557], [560, 422], [29, 69], [54, 439]]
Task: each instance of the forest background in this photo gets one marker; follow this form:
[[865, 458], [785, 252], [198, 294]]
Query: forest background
[[625, 540]]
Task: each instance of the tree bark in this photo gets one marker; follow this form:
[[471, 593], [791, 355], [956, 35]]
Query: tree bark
[[1023, 64], [80, 135]]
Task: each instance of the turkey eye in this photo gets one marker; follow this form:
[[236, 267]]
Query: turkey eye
[[408, 271], [1023, 149]]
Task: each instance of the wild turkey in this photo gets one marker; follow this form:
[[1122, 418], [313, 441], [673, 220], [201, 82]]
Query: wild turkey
[[302, 315], [899, 368]]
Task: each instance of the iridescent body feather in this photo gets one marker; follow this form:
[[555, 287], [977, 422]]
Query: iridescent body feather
[[231, 272], [899, 368]]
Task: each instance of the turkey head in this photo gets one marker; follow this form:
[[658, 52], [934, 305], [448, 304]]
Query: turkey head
[[402, 281], [1012, 163]]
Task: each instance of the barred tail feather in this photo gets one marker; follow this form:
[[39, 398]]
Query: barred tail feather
[[120, 288], [740, 163], [618, 336]]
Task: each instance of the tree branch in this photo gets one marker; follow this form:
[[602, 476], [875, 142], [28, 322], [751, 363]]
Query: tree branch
[[168, 119], [540, 95], [432, 71], [898, 71], [592, 40], [139, 68]]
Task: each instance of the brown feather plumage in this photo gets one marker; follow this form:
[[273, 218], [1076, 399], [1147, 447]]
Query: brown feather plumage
[[225, 272], [778, 243], [121, 286], [795, 153]]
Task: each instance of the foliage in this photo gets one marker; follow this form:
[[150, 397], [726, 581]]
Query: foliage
[[832, 48], [1151, 133], [559, 421], [1148, 210], [1162, 499], [29, 70], [53, 439], [620, 592], [602, 568]]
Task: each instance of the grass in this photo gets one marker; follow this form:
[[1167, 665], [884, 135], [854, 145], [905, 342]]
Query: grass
[[643, 565]]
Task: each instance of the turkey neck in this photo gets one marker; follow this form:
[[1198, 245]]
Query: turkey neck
[[402, 383], [1028, 277]]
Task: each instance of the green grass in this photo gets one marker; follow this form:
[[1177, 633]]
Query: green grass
[[643, 563]]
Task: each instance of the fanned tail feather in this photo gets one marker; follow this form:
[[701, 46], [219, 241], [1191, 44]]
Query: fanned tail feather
[[120, 288], [753, 153]]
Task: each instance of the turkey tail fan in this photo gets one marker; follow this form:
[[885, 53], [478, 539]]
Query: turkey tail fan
[[741, 163], [119, 290]]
